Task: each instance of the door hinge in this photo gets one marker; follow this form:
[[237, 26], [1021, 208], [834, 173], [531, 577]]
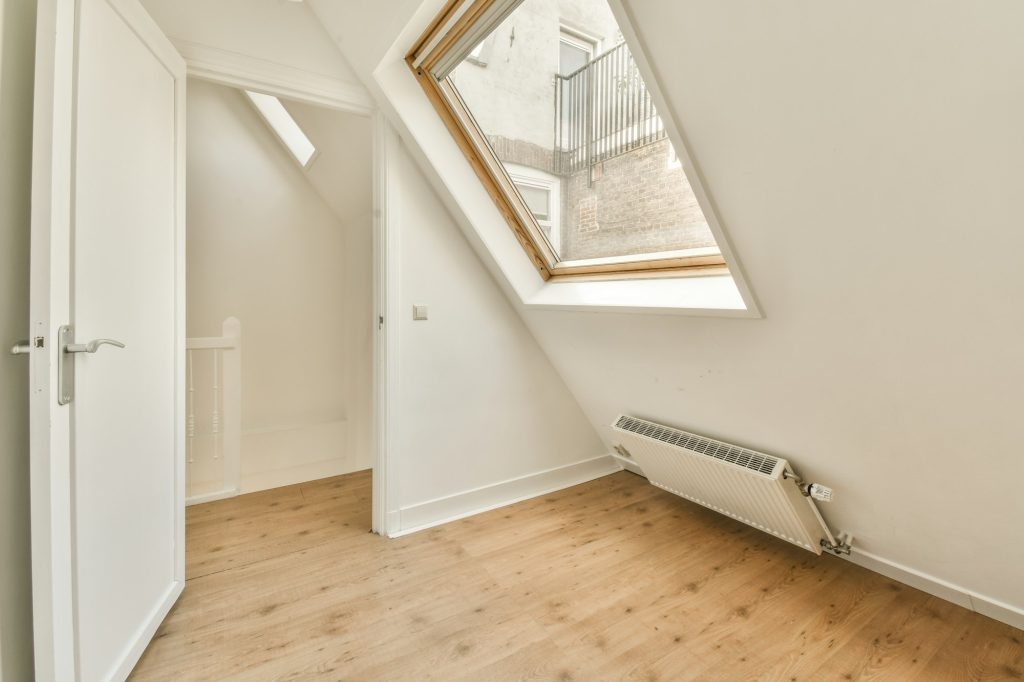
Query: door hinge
[[380, 322]]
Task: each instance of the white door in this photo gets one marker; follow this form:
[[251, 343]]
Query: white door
[[108, 261]]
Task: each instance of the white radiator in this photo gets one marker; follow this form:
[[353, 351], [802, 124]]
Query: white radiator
[[752, 487]]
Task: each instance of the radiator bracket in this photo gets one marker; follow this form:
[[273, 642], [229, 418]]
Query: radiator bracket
[[841, 546]]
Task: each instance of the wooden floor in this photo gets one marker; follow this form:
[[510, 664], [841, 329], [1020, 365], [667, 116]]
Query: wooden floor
[[610, 580]]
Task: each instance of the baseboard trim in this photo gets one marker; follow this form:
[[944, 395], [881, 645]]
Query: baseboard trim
[[211, 497], [979, 603], [629, 465], [265, 480], [435, 512]]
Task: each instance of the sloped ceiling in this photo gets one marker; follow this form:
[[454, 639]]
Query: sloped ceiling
[[342, 171], [362, 31], [866, 162]]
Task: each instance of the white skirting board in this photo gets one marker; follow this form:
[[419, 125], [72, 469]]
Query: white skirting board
[[303, 473], [280, 456], [460, 505], [629, 465], [274, 457], [986, 606]]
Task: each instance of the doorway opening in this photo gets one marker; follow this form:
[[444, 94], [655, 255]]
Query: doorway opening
[[279, 324]]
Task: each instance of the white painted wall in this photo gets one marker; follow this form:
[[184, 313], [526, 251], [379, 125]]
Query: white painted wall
[[341, 175], [17, 48], [263, 246], [339, 172], [867, 173], [479, 405]]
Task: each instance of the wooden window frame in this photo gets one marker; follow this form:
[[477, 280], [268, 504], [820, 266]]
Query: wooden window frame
[[470, 139]]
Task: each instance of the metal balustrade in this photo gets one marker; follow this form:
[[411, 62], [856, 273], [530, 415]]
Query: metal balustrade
[[603, 110]]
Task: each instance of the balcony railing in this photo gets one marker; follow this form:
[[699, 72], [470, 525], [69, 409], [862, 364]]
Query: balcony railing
[[603, 110]]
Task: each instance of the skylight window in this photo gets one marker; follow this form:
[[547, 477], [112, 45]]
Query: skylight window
[[565, 135], [284, 126]]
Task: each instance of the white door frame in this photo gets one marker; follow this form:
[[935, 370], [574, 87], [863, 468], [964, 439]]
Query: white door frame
[[238, 71]]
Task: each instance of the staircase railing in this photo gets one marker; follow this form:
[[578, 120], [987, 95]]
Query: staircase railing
[[213, 426]]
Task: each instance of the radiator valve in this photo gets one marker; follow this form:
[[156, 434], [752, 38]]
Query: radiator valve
[[820, 492], [815, 490]]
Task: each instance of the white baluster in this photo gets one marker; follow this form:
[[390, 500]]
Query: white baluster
[[190, 424], [231, 380], [215, 418], [225, 413]]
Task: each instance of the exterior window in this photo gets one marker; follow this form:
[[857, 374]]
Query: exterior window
[[573, 53], [541, 193], [564, 133], [538, 200]]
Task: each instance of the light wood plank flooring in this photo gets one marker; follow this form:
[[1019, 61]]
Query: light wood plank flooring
[[610, 580]]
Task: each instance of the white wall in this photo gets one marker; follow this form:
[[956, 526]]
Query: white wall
[[264, 247], [344, 151], [479, 404], [341, 175], [17, 46], [867, 173]]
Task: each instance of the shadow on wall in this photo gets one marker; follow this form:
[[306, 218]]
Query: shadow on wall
[[17, 46]]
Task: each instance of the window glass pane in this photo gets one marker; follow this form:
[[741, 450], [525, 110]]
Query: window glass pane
[[537, 200], [571, 57], [588, 121], [282, 123]]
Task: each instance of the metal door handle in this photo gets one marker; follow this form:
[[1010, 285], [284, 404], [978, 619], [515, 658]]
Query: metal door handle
[[66, 366], [21, 348], [92, 346]]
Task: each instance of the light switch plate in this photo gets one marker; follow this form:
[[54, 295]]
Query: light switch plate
[[419, 312]]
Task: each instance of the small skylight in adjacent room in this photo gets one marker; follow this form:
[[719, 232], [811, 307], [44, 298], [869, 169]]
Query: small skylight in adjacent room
[[286, 128]]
